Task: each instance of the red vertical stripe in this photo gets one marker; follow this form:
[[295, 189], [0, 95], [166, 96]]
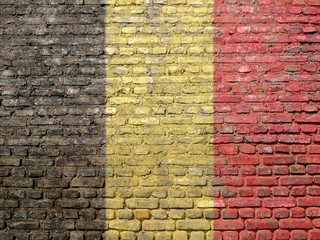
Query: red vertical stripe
[[266, 94]]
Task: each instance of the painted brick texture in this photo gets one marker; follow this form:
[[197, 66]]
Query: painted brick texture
[[159, 124], [266, 111], [156, 120], [52, 119]]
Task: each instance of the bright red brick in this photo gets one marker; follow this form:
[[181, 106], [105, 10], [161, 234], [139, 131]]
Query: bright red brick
[[297, 212], [298, 191], [247, 235], [244, 203], [309, 202], [281, 235], [297, 169], [299, 235], [228, 224], [243, 160], [281, 213], [261, 181], [298, 180], [313, 212], [217, 235], [257, 224], [276, 119], [264, 234], [229, 213], [294, 98], [226, 99], [298, 149], [282, 149], [314, 234], [278, 160], [295, 223], [230, 235], [316, 223], [247, 149], [246, 213], [280, 192], [246, 192], [229, 150], [294, 139], [264, 171], [263, 192], [313, 169], [241, 119], [281, 170], [263, 149], [279, 202], [307, 119], [308, 128], [263, 213], [308, 159]]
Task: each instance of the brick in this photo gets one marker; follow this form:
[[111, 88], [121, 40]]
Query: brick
[[158, 225], [53, 183], [264, 234], [23, 142], [241, 119], [279, 202], [30, 225], [292, 223], [8, 203], [243, 160], [91, 225], [276, 119], [190, 181], [69, 203], [176, 203], [261, 224], [18, 182], [37, 162], [295, 180], [314, 234], [9, 161], [308, 202], [197, 225], [229, 213], [281, 234], [64, 225], [308, 160], [131, 225], [313, 212], [228, 224], [87, 182], [244, 203], [278, 160], [296, 139], [261, 181], [125, 141], [142, 203]]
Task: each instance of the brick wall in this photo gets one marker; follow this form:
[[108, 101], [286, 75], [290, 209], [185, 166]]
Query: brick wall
[[164, 119], [159, 119], [266, 101], [52, 119]]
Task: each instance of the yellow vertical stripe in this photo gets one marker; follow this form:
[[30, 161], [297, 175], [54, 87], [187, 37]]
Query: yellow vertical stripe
[[159, 118]]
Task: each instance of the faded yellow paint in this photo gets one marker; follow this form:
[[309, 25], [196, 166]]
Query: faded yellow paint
[[159, 108]]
